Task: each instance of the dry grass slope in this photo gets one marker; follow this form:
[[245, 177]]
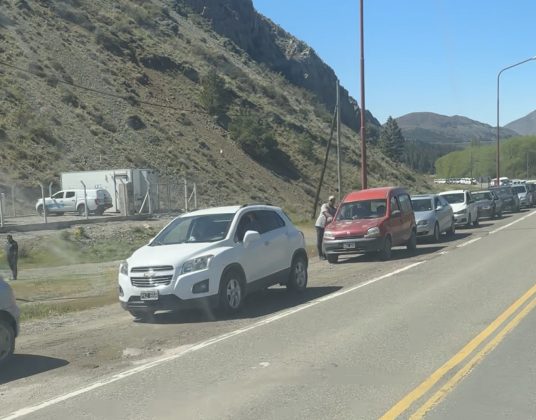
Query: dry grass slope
[[142, 52]]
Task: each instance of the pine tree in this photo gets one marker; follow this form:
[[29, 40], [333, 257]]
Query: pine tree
[[392, 141], [214, 96]]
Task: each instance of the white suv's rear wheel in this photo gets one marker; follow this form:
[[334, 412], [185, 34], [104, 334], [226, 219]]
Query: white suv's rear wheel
[[231, 292], [7, 341]]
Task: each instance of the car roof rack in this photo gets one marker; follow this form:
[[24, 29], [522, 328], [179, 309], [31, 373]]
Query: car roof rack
[[256, 204]]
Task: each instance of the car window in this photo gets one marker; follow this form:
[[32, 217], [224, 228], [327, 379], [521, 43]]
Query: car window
[[394, 204], [422, 204], [248, 221], [269, 220], [468, 198], [405, 203], [443, 202], [69, 194], [437, 203], [59, 194]]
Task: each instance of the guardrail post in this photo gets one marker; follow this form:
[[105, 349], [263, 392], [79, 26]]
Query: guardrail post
[[44, 203], [2, 209], [85, 200]]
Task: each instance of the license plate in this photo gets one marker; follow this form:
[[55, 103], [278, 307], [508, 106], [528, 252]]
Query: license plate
[[149, 295], [348, 245]]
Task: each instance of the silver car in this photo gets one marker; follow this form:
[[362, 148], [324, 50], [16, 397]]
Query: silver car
[[433, 216], [9, 321]]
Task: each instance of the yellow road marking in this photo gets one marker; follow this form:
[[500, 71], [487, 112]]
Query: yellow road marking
[[459, 357], [465, 370]]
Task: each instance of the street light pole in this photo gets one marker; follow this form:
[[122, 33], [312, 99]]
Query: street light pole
[[363, 125], [498, 124]]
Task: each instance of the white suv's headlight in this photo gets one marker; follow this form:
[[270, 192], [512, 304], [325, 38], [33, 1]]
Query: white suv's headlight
[[329, 235], [373, 232], [461, 211], [422, 223], [123, 268], [196, 264]]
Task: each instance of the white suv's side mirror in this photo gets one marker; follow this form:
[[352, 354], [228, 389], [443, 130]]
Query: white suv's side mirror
[[251, 236]]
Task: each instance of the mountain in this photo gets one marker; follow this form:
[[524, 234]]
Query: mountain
[[456, 130], [208, 91], [525, 126]]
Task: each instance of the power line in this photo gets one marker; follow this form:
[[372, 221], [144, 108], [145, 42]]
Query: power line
[[128, 99]]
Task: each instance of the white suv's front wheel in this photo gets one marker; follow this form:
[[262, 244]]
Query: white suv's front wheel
[[231, 292], [7, 341]]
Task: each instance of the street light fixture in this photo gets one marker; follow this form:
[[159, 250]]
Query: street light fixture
[[498, 125]]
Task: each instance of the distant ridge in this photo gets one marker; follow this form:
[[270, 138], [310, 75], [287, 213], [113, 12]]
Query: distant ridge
[[454, 130], [525, 126]]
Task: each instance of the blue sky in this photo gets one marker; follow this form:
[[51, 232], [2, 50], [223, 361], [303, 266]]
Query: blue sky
[[439, 56]]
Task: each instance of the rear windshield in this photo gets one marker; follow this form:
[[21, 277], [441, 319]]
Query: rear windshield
[[519, 189], [422, 204], [366, 209], [454, 198], [482, 196]]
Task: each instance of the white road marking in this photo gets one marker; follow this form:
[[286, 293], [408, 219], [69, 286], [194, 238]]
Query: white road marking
[[513, 223], [468, 242], [183, 352]]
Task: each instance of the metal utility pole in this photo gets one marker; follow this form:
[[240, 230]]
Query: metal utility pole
[[363, 128], [339, 180], [498, 123], [317, 195]]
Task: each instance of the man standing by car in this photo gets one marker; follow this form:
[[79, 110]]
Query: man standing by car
[[12, 255], [332, 209], [320, 224]]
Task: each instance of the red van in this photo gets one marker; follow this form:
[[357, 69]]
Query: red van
[[372, 220]]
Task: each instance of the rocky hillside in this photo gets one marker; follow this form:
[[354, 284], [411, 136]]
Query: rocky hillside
[[525, 126], [89, 85], [456, 130]]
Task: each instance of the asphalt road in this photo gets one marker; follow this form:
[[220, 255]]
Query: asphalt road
[[446, 333]]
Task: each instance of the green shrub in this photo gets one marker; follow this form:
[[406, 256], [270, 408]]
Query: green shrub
[[215, 97], [255, 137]]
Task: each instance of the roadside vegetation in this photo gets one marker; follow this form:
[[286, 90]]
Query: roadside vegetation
[[77, 246], [516, 155]]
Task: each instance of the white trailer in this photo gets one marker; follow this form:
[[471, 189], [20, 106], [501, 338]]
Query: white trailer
[[141, 185]]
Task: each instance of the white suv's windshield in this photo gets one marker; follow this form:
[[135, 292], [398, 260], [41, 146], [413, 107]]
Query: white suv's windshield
[[206, 228], [422, 204], [454, 198], [366, 209]]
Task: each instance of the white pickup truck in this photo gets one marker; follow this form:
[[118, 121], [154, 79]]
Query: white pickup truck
[[98, 200]]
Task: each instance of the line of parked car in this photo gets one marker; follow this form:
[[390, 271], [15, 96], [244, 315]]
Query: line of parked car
[[213, 258]]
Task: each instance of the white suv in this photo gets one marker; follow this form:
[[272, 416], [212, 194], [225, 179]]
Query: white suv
[[214, 257], [9, 322]]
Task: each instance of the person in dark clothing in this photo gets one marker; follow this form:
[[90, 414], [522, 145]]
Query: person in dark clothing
[[12, 255]]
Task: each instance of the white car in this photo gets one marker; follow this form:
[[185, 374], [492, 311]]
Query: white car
[[214, 258], [463, 205], [9, 322]]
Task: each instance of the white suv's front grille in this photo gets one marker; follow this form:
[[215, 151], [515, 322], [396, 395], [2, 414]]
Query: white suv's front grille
[[151, 276], [152, 268], [151, 281]]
